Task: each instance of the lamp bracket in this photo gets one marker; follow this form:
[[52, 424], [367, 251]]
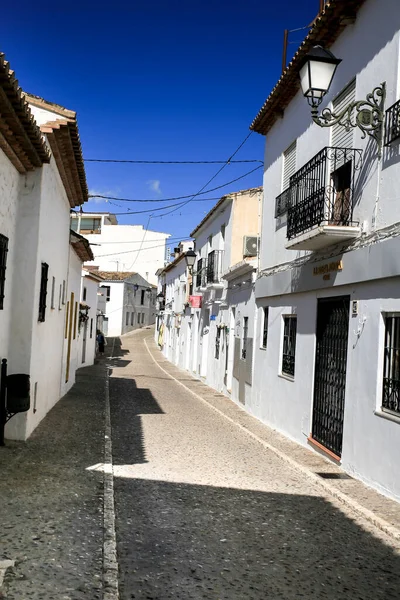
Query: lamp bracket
[[368, 115]]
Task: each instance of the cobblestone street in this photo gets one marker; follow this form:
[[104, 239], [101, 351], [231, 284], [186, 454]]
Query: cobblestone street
[[204, 508], [204, 511]]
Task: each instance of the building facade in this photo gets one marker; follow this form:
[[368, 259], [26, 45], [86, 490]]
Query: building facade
[[130, 301], [42, 178], [124, 248], [327, 292]]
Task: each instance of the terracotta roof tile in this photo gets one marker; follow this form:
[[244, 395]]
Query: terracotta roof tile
[[20, 137], [115, 275]]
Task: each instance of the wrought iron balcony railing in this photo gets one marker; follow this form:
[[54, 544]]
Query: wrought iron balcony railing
[[392, 123], [214, 266], [322, 191]]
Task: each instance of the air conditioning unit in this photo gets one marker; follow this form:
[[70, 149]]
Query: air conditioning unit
[[250, 245]]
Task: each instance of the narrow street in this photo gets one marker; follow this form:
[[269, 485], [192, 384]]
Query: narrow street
[[205, 511]]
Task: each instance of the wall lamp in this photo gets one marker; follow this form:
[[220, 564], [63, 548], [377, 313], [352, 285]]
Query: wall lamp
[[316, 74], [190, 258]]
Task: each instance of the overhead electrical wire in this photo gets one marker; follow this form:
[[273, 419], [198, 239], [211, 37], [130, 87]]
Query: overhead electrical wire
[[191, 196], [168, 162]]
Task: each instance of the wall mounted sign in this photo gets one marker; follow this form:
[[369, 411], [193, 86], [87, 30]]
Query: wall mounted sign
[[327, 268], [195, 301], [213, 317]]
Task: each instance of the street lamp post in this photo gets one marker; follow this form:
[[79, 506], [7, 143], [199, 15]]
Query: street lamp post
[[190, 258], [316, 74]]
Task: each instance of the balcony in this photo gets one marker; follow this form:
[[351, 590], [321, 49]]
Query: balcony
[[320, 200]]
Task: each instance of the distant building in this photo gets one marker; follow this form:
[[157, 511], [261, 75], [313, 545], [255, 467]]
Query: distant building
[[130, 301], [122, 248]]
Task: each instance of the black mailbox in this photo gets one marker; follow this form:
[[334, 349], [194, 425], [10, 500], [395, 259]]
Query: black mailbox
[[18, 393]]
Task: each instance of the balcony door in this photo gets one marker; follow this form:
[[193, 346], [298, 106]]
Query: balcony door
[[330, 373]]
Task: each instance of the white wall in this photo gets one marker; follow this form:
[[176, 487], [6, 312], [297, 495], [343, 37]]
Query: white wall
[[121, 244], [376, 204], [115, 307]]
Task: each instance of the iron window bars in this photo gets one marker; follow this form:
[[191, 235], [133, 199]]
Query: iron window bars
[[265, 327], [392, 123], [282, 203], [200, 273], [245, 336], [43, 292], [321, 192], [391, 365], [289, 345], [3, 262], [214, 266]]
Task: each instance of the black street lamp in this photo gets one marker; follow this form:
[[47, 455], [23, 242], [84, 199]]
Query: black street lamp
[[190, 258], [316, 74]]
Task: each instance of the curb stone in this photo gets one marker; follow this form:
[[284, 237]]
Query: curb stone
[[378, 522]]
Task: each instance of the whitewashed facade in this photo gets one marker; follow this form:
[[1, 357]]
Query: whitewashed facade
[[124, 248], [327, 354], [130, 301], [35, 183]]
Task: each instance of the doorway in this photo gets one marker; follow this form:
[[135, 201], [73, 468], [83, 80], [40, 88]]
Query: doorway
[[330, 372], [85, 326]]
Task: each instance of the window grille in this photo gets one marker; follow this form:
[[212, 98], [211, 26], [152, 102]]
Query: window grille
[[245, 335], [265, 327], [43, 292], [289, 345], [391, 365], [3, 262]]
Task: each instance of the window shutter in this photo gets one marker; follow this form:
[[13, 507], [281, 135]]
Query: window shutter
[[340, 137], [289, 164]]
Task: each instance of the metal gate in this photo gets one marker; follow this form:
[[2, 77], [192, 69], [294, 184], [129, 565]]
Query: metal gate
[[330, 372]]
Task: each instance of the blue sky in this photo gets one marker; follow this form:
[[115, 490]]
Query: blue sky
[[156, 80]]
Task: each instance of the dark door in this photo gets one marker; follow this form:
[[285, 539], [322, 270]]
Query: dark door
[[330, 372]]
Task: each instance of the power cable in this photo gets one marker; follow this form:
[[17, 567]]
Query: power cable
[[168, 162], [192, 196]]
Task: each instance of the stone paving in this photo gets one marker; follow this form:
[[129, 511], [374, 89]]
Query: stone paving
[[204, 511], [51, 505]]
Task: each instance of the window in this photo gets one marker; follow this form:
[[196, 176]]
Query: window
[[199, 272], [142, 297], [60, 298], [90, 225], [84, 294], [265, 327], [91, 328], [142, 318], [127, 319], [74, 223], [43, 292], [289, 164], [289, 344], [3, 261], [244, 340], [53, 289], [132, 317], [391, 365], [217, 342], [107, 291], [63, 292], [138, 318], [341, 201]]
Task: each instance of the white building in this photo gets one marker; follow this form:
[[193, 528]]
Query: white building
[[130, 301], [206, 322], [41, 178], [226, 243], [124, 248], [328, 334], [173, 331]]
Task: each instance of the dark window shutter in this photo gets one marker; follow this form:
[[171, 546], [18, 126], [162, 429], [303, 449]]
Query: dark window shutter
[[43, 292]]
